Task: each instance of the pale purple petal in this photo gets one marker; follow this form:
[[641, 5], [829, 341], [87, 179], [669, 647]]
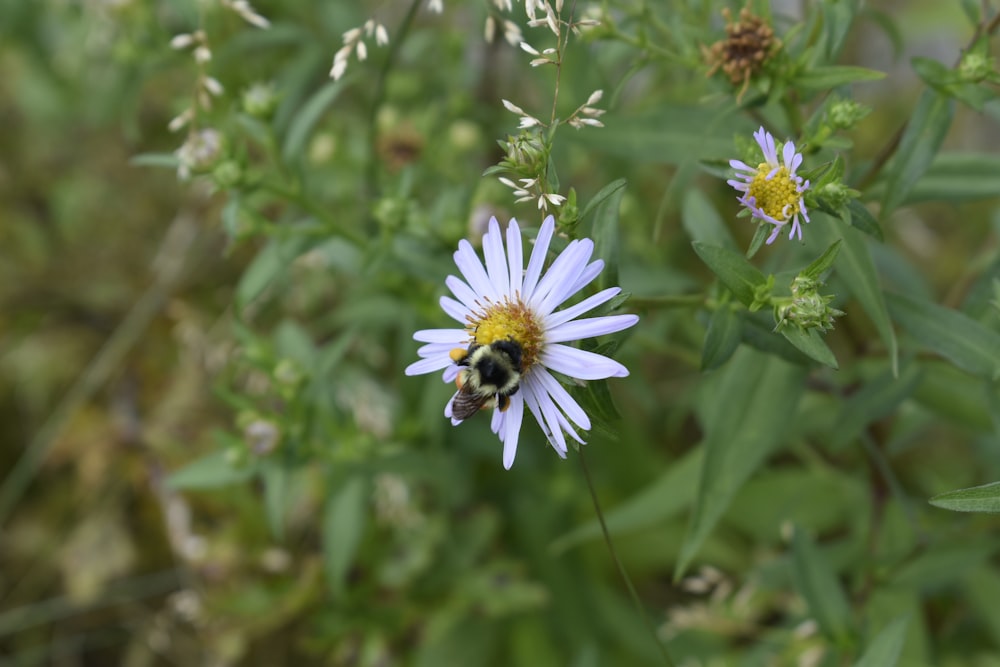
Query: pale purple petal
[[472, 269], [515, 257], [436, 350], [588, 274], [562, 398], [591, 302], [740, 165], [428, 365], [580, 363], [563, 272], [496, 258], [455, 309], [589, 328], [462, 292], [512, 428], [451, 372], [457, 336], [537, 259]]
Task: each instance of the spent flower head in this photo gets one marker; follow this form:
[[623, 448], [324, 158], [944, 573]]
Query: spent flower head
[[507, 306], [772, 191], [748, 45]]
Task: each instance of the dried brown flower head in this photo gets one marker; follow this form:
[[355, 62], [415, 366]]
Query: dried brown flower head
[[748, 44]]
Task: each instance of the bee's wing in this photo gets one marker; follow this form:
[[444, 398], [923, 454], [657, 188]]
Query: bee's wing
[[467, 403]]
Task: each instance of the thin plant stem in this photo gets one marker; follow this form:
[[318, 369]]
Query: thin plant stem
[[621, 568]]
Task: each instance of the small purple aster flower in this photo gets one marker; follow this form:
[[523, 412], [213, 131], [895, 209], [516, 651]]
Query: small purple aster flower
[[514, 311], [772, 192]]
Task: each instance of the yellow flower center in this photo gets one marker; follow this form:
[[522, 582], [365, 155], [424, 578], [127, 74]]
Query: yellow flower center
[[509, 320], [778, 197]]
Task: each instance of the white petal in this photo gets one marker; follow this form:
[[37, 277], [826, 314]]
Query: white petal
[[551, 413], [561, 275], [580, 363], [515, 257], [496, 259], [457, 336], [512, 428], [462, 292], [454, 309], [472, 269], [788, 154], [590, 328], [537, 259], [450, 373], [592, 271], [435, 350], [496, 423], [428, 365], [740, 165], [533, 394], [591, 302], [562, 398]]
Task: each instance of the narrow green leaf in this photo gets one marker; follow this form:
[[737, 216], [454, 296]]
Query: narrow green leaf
[[305, 120], [982, 590], [735, 272], [343, 527], [821, 589], [209, 472], [810, 343], [954, 335], [606, 232], [857, 270], [831, 76], [725, 331], [985, 498], [168, 160], [885, 649], [275, 475], [823, 262], [703, 223], [862, 219], [920, 142], [876, 399], [664, 498], [266, 267], [607, 191], [744, 409]]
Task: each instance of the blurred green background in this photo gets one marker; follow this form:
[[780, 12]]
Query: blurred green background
[[252, 336]]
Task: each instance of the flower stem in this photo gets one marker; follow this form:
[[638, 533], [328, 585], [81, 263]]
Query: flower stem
[[621, 568]]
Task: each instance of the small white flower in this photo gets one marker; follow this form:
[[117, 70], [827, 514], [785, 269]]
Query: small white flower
[[505, 301], [435, 6], [182, 41], [381, 35]]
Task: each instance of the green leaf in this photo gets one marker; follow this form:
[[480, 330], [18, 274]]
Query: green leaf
[[267, 267], [725, 331], [819, 266], [275, 475], [305, 120], [703, 223], [885, 649], [209, 472], [811, 343], [664, 498], [957, 177], [603, 194], [920, 142], [985, 498], [343, 527], [954, 335], [744, 409], [735, 272], [863, 220], [821, 589], [831, 76], [875, 399], [606, 232], [669, 136], [168, 160], [857, 270]]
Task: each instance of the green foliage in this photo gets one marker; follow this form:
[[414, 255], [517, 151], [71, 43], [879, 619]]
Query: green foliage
[[223, 223]]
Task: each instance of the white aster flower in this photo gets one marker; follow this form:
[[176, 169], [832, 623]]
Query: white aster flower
[[506, 302]]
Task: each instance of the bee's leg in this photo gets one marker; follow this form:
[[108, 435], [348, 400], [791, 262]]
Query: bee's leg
[[503, 403]]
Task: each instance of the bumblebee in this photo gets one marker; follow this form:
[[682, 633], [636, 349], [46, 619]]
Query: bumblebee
[[492, 374]]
